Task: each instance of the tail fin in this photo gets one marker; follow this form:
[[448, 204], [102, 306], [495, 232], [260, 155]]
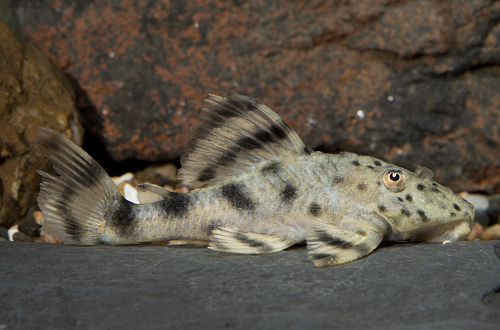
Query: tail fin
[[77, 203]]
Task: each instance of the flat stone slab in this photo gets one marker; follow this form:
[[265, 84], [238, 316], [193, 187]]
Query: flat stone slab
[[400, 286]]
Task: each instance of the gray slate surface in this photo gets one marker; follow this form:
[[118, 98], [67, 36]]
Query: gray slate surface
[[402, 286]]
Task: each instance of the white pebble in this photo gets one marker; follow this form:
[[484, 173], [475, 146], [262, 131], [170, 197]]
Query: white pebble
[[12, 230], [361, 114], [130, 193], [118, 180]]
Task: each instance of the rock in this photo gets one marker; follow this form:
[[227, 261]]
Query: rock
[[413, 82], [160, 175], [21, 237], [33, 93], [4, 233], [400, 286], [28, 225], [491, 233], [46, 238]]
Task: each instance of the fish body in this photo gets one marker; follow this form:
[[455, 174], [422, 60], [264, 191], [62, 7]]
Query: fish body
[[259, 190]]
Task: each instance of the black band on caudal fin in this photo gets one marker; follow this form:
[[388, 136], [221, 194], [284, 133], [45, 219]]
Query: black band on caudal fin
[[77, 203]]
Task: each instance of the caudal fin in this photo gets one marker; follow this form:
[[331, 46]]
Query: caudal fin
[[77, 204]]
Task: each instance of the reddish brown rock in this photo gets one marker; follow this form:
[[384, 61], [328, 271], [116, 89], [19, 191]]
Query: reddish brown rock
[[33, 93], [412, 82]]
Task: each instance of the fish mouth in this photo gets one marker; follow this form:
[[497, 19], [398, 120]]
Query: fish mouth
[[447, 232]]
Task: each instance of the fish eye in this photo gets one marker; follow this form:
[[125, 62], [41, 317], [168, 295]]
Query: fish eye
[[394, 180]]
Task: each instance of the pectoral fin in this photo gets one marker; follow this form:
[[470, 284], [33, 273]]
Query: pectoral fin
[[234, 241], [336, 243]]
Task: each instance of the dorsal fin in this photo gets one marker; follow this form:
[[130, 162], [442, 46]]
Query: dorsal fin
[[236, 135]]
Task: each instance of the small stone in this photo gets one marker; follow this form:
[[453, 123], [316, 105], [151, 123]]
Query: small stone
[[28, 225], [159, 175], [46, 238], [491, 233], [21, 237], [4, 233], [477, 231], [130, 193], [38, 216], [127, 177], [167, 171]]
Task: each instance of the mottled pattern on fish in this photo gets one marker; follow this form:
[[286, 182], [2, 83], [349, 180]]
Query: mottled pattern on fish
[[260, 190]]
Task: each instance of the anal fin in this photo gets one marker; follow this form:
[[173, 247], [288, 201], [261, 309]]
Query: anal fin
[[230, 240], [336, 243]]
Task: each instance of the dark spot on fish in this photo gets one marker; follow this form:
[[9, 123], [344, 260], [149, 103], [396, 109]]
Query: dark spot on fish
[[371, 167], [377, 163], [240, 103], [315, 209], [360, 232], [409, 198], [307, 150], [214, 224], [338, 179], [434, 184], [361, 186], [123, 218], [264, 136], [328, 239], [207, 174], [220, 112], [363, 249], [50, 143], [226, 159], [236, 196], [420, 186], [248, 143], [226, 113], [273, 167], [423, 216], [355, 163], [71, 225], [177, 205], [249, 241], [382, 208], [278, 131], [405, 212], [100, 241], [317, 256], [400, 199], [435, 189], [379, 183], [288, 194], [456, 207], [453, 214], [66, 195]]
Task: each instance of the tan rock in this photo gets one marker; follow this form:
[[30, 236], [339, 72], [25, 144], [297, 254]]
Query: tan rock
[[33, 92], [491, 233]]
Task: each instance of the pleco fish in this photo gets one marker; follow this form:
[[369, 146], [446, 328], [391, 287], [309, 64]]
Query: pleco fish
[[260, 190]]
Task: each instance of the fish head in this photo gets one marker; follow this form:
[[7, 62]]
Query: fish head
[[415, 207]]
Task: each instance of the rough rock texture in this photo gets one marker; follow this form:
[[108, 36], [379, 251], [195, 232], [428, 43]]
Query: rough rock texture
[[412, 82], [33, 92], [405, 286]]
